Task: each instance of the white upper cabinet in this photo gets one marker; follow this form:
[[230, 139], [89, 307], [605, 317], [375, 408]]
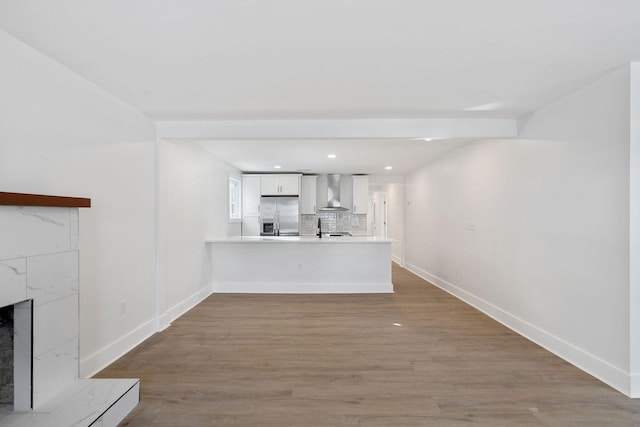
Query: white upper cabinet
[[308, 195], [280, 185], [290, 185], [360, 194], [270, 185]]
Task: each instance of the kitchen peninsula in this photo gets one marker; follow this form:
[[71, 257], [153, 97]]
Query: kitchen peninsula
[[301, 264]]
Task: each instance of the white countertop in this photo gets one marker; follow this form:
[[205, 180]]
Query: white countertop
[[298, 239]]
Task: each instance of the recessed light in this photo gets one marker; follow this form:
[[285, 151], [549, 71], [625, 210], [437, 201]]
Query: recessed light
[[277, 166], [388, 167], [331, 156], [423, 139]]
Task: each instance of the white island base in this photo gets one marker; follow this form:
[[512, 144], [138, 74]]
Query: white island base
[[309, 265]]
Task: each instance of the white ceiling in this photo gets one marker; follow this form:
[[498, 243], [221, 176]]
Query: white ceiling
[[353, 156], [332, 59]]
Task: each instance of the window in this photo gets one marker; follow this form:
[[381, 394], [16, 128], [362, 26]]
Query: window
[[235, 208]]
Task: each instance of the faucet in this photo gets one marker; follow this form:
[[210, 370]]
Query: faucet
[[319, 228]]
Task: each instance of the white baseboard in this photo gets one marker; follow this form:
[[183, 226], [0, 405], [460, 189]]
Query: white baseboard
[[182, 307], [97, 361], [397, 260], [635, 386], [102, 358], [591, 364], [301, 288]]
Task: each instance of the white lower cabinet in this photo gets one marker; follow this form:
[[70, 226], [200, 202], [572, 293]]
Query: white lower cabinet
[[251, 226]]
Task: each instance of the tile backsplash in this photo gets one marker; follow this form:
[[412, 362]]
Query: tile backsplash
[[355, 224]]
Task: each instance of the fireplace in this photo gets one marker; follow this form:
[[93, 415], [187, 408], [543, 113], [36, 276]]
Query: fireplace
[[39, 283], [6, 357], [16, 357]]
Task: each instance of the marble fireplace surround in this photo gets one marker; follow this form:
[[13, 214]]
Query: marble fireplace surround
[[39, 272]]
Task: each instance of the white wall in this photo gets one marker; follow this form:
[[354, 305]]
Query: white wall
[[535, 231], [60, 134], [193, 206], [634, 234]]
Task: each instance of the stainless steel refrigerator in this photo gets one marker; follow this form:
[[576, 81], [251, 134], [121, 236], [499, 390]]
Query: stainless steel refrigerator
[[279, 216]]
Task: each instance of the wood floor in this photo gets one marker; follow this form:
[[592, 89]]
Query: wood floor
[[418, 357]]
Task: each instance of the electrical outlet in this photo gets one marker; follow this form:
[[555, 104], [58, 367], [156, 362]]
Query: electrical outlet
[[123, 306]]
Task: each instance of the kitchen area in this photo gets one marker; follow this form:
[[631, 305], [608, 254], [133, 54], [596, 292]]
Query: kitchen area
[[292, 204], [303, 234]]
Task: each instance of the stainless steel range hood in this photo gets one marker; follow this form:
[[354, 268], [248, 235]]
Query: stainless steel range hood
[[333, 193]]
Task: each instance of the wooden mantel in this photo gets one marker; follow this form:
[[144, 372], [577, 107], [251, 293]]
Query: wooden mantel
[[21, 199]]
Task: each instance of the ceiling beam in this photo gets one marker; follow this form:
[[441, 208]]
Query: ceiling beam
[[360, 128]]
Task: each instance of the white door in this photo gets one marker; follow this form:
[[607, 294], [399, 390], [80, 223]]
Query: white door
[[378, 215], [382, 216]]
